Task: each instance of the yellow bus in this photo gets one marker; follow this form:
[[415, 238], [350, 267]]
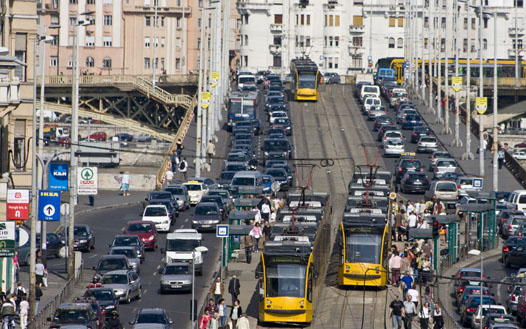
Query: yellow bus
[[286, 282], [363, 242], [305, 79]]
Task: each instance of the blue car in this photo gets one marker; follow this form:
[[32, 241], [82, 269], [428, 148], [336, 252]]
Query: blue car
[[411, 121], [267, 183]]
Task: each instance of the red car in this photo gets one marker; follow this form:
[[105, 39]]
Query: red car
[[99, 136], [145, 230]]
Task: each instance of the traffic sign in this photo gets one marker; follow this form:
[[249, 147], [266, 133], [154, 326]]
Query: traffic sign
[[87, 180], [222, 231], [215, 75], [392, 196], [58, 176], [18, 204], [49, 205], [456, 82], [477, 183], [481, 104], [7, 239], [205, 99]]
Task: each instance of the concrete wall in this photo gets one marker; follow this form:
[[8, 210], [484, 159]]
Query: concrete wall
[[138, 182]]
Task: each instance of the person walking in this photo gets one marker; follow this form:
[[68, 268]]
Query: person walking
[[179, 148], [174, 160], [205, 318], [248, 243], [24, 311], [40, 271], [438, 320], [500, 157], [424, 315], [20, 292], [38, 295], [256, 234], [484, 146], [16, 266], [235, 313], [243, 322], [233, 288], [395, 313], [394, 266], [409, 312], [215, 322], [183, 167], [169, 176], [223, 313], [125, 184], [218, 288], [210, 151], [8, 311], [267, 229], [265, 210]]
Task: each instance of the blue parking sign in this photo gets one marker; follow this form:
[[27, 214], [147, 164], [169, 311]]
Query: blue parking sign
[[58, 176], [49, 205], [477, 183]]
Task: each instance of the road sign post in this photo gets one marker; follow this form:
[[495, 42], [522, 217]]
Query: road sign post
[[49, 205], [17, 204], [223, 231]]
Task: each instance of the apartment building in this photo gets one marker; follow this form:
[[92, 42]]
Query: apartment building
[[350, 36]]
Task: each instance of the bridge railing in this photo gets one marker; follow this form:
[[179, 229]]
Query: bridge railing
[[51, 80]]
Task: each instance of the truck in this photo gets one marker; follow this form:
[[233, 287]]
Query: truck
[[241, 106], [181, 245], [52, 132], [100, 154], [364, 78]]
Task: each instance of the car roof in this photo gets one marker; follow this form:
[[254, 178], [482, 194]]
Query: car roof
[[152, 310], [111, 257], [184, 236], [208, 204], [157, 205], [121, 272], [125, 236]]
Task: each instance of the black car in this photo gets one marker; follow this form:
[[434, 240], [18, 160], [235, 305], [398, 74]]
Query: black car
[[471, 305], [280, 175], [109, 263], [382, 120], [331, 78], [237, 157], [152, 316], [159, 195], [290, 173], [503, 216], [407, 165], [125, 240], [84, 239], [53, 246], [217, 199], [414, 182], [511, 244], [69, 314], [284, 123], [172, 211], [124, 137], [420, 131], [276, 149], [276, 102], [105, 296], [225, 178]]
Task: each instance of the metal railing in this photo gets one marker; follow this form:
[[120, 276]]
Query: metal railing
[[118, 79], [200, 309]]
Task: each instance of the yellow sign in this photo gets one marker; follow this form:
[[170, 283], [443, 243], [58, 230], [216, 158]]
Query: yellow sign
[[481, 104], [456, 82], [204, 105], [214, 84], [205, 95], [215, 75]]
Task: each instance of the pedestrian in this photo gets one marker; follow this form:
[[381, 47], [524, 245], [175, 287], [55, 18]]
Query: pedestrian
[[179, 148], [265, 210], [500, 157], [8, 311], [407, 282], [394, 267], [215, 322], [426, 269], [414, 295], [412, 219], [233, 288], [438, 320], [243, 322], [174, 160], [38, 295], [424, 315], [235, 313], [248, 243], [409, 312], [255, 233], [210, 151], [125, 184], [169, 175], [16, 266], [24, 310], [395, 313], [211, 307], [40, 271], [218, 288], [203, 322], [20, 292], [267, 229], [183, 167], [484, 146], [223, 313]]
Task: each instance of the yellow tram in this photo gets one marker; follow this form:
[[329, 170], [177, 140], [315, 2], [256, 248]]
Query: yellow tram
[[305, 79]]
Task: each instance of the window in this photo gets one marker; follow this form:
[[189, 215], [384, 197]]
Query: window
[[162, 42], [357, 20], [20, 54], [336, 41], [335, 62], [518, 45], [278, 19], [162, 21], [148, 20], [426, 22], [443, 23], [90, 62], [337, 20], [162, 63], [400, 43], [331, 20], [90, 2], [473, 45], [357, 41], [90, 41], [146, 62], [277, 40], [108, 20], [178, 22], [53, 61], [246, 39], [442, 45], [392, 21], [276, 61], [329, 61], [330, 41], [246, 19], [72, 20], [302, 19], [200, 3], [177, 63], [325, 19], [391, 42], [54, 42], [106, 62], [307, 41], [302, 41], [473, 23], [19, 148], [246, 60], [465, 45], [72, 2], [146, 42], [357, 62], [308, 23], [108, 42], [156, 43], [70, 62], [324, 44], [400, 22], [178, 42], [199, 43], [465, 23], [426, 41], [486, 19], [485, 43], [199, 22]]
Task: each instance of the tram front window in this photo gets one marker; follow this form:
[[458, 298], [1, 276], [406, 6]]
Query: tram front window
[[286, 280], [307, 81], [363, 248]]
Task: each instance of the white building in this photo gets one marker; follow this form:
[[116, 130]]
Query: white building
[[346, 36]]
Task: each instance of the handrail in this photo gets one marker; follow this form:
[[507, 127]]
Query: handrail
[[117, 79]]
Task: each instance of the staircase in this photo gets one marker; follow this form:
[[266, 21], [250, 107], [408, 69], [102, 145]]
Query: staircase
[[146, 87]]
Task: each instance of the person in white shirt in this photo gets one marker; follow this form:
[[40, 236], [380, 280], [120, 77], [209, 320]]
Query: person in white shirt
[[411, 219], [414, 296], [125, 184], [24, 310], [169, 175]]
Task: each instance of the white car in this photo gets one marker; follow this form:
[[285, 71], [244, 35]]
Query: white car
[[392, 134], [196, 191], [427, 144], [444, 166], [277, 114], [519, 155], [370, 102], [481, 312], [393, 147], [158, 214]]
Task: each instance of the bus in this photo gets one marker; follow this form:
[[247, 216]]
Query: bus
[[305, 79], [363, 239], [241, 106]]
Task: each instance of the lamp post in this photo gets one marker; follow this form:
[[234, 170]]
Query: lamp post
[[476, 252], [193, 289], [456, 141], [155, 24], [446, 130], [430, 44], [481, 92], [468, 155], [439, 73], [495, 106]]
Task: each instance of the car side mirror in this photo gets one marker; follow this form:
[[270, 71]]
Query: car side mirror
[[131, 322], [146, 199], [160, 270], [202, 249], [170, 321]]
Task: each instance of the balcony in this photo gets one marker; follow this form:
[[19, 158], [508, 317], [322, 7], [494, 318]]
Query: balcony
[[276, 28], [275, 49], [519, 30], [247, 5], [356, 51], [356, 29]]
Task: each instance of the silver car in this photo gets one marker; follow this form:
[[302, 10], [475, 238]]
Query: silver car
[[394, 147], [131, 254], [427, 144], [126, 285], [437, 155], [444, 166], [176, 277], [375, 111], [513, 298], [392, 134], [180, 193]]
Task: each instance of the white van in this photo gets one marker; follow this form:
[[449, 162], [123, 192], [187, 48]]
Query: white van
[[180, 246], [517, 200], [368, 91], [247, 179], [242, 80]]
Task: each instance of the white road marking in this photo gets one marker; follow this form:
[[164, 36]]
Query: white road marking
[[154, 273], [186, 220], [498, 287], [181, 226], [93, 256]]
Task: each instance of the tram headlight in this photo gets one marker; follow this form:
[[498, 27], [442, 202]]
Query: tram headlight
[[302, 303], [268, 302], [347, 268]]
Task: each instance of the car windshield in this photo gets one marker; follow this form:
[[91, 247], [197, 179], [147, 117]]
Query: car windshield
[[395, 142], [470, 274], [160, 195], [276, 173], [100, 294], [370, 89], [441, 155], [115, 279], [428, 140], [155, 211], [130, 253], [446, 187], [243, 181], [411, 164], [80, 231], [276, 145], [176, 269], [193, 187], [112, 264], [417, 177], [227, 175], [181, 244], [151, 318], [140, 228], [246, 79], [72, 316], [447, 163], [176, 190], [126, 241], [206, 210], [393, 134]]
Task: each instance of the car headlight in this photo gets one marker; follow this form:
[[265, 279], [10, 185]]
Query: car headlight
[[266, 154], [83, 241], [110, 307], [151, 238], [195, 222], [180, 202], [166, 221], [165, 282]]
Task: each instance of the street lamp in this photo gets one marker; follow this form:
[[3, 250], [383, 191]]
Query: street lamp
[[467, 154], [476, 252]]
